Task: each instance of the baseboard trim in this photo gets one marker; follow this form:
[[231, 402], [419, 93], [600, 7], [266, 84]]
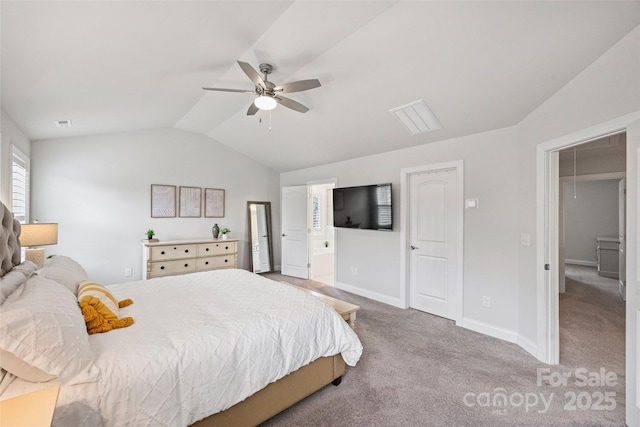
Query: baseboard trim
[[491, 330], [580, 262], [528, 345], [376, 296]]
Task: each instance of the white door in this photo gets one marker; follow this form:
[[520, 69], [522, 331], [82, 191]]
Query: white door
[[295, 232], [622, 237], [433, 201]]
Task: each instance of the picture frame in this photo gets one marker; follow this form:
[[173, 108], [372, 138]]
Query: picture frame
[[163, 201], [190, 202], [213, 203]]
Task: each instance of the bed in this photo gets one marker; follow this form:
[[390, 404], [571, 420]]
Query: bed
[[224, 347]]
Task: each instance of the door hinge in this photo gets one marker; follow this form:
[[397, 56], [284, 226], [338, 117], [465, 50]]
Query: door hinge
[[308, 265], [547, 267]]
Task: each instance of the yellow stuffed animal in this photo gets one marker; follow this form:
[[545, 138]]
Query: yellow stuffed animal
[[100, 308]]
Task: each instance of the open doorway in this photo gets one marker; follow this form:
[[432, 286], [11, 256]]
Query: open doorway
[[591, 305], [322, 234]]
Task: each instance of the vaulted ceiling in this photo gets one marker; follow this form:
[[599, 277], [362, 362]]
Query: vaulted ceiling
[[126, 66]]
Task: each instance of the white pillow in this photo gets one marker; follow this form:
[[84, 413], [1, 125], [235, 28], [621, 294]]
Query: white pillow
[[64, 270], [16, 277], [23, 370], [43, 326]]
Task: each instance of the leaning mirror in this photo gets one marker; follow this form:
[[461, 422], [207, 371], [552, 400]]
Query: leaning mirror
[[260, 235]]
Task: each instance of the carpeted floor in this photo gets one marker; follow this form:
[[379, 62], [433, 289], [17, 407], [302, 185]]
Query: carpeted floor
[[422, 370]]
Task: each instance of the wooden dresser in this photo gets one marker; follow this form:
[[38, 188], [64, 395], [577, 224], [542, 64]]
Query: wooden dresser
[[170, 258]]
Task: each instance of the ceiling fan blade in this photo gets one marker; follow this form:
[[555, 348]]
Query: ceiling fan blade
[[252, 109], [229, 90], [252, 74], [298, 86], [290, 103]]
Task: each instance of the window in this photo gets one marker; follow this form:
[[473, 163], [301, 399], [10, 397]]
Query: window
[[19, 185], [383, 196], [329, 199], [317, 213]]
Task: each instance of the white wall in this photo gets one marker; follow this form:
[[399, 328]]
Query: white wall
[[98, 190], [490, 232], [592, 214], [11, 134]]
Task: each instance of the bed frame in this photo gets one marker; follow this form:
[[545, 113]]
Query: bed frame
[[257, 408], [280, 395]]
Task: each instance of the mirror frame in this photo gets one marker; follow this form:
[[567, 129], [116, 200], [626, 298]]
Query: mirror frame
[[267, 206]]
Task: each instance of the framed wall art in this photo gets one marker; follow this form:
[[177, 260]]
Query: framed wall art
[[190, 202], [213, 203], [163, 201]]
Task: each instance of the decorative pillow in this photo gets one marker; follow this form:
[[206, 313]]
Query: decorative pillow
[[43, 327], [64, 270], [100, 308], [16, 277]]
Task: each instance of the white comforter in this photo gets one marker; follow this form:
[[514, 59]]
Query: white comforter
[[201, 343]]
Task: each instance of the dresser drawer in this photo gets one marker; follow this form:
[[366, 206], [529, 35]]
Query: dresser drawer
[[169, 268], [173, 252], [213, 263], [217, 248]]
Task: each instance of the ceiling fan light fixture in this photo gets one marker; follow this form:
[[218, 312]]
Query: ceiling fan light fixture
[[265, 102]]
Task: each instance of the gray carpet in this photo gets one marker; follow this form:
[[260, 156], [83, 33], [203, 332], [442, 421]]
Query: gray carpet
[[422, 370]]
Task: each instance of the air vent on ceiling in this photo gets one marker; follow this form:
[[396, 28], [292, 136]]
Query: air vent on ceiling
[[63, 123], [416, 117]]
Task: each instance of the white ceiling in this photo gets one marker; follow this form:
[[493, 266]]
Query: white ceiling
[[125, 66]]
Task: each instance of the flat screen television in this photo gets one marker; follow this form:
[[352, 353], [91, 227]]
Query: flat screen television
[[366, 207]]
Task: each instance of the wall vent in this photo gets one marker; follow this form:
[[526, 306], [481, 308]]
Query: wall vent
[[416, 117], [63, 123]]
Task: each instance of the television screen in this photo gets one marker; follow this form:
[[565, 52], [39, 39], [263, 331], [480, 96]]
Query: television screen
[[366, 207]]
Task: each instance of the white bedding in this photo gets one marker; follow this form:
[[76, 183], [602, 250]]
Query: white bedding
[[201, 343]]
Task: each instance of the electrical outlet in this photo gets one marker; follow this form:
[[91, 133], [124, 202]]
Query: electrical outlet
[[128, 272], [525, 239], [486, 301]]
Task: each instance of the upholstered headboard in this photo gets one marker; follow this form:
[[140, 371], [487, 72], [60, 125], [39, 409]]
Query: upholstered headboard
[[9, 244]]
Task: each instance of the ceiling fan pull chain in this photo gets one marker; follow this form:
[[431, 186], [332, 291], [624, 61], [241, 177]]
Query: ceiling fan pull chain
[[269, 120]]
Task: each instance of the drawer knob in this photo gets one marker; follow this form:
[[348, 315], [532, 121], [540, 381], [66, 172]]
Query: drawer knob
[[207, 249], [174, 248], [162, 267], [186, 265], [226, 260], [162, 253], [186, 250], [226, 247], [206, 263]]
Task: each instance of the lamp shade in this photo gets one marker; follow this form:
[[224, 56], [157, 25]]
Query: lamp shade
[[40, 234], [264, 102]]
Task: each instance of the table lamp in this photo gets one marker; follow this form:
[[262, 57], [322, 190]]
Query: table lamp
[[39, 234]]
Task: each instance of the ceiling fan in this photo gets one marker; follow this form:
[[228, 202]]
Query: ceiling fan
[[268, 93]]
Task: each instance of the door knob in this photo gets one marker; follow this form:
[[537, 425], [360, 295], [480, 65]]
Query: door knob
[[413, 248], [283, 235]]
